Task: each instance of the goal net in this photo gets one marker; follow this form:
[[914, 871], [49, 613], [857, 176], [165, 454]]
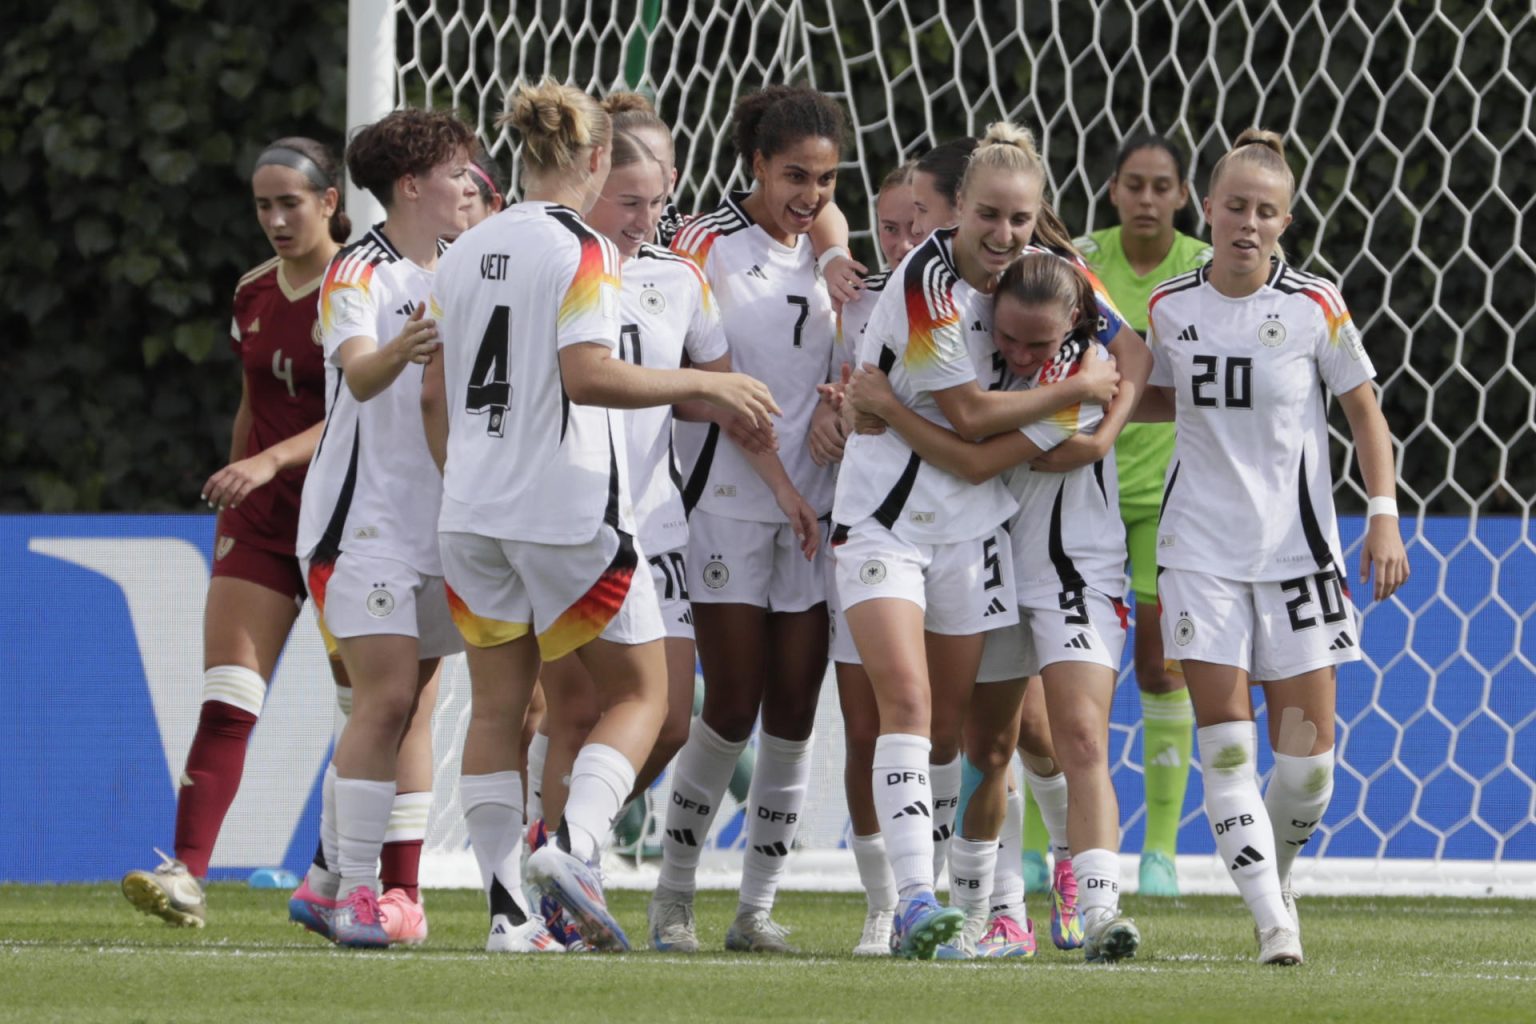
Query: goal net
[[1410, 129]]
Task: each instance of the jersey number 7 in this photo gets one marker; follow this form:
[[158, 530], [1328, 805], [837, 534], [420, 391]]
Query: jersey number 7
[[489, 393]]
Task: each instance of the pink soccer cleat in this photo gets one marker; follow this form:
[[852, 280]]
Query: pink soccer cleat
[[405, 919]]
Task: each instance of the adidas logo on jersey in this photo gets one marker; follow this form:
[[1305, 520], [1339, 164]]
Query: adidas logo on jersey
[[757, 272], [1248, 856], [977, 326], [406, 310], [255, 326], [1189, 334], [776, 850], [995, 608], [1342, 642], [1080, 643]]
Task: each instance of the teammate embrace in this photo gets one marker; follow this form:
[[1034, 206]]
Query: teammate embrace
[[918, 466]]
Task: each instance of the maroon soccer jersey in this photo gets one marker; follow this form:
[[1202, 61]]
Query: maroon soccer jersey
[[275, 333]]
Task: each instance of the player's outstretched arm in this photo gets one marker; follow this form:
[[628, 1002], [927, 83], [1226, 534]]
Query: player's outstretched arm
[[370, 368], [869, 391], [976, 414], [230, 485], [1383, 545], [593, 377], [747, 436]]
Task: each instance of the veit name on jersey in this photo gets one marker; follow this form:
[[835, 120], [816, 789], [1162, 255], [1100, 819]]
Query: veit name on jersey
[[493, 266]]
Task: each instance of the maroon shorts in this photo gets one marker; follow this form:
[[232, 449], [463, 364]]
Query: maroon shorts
[[241, 560]]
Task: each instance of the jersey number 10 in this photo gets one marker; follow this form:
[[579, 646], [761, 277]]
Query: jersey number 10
[[489, 392]]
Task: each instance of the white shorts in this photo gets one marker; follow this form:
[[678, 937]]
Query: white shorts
[[1272, 630], [567, 594], [1079, 625], [362, 595], [840, 645], [669, 575], [964, 588], [737, 561]]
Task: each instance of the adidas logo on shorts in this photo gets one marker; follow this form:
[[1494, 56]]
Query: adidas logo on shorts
[[1342, 642], [1080, 643], [995, 608]]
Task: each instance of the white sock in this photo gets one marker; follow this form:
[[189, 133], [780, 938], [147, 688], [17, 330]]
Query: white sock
[[601, 780], [1299, 792], [972, 867], [362, 816], [945, 780], [494, 815], [1008, 878], [774, 803], [1244, 837], [903, 799], [700, 773], [1098, 881], [874, 871], [538, 749], [324, 880], [1050, 793], [408, 817]]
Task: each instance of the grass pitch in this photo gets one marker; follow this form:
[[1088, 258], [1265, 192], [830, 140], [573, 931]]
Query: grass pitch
[[80, 953]]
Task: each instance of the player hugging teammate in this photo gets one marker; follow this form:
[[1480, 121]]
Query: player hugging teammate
[[930, 447]]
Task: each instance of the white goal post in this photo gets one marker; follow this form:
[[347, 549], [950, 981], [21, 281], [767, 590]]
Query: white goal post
[[1410, 130]]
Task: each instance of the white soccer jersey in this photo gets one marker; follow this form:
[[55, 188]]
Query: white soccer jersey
[[1249, 494], [778, 320], [372, 486], [929, 331], [665, 311], [1067, 534], [852, 321], [524, 461]]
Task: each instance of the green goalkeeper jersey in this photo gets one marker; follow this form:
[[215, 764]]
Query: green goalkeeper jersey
[[1143, 449]]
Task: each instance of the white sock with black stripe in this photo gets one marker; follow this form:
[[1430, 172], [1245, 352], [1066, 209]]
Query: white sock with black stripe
[[774, 803], [1244, 837], [904, 801]]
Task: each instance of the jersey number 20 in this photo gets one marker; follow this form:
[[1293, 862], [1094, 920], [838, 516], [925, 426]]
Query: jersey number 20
[[1238, 381], [489, 392]]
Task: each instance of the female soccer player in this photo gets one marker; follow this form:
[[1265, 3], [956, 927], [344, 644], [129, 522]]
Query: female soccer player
[[861, 718], [1253, 585], [757, 586], [921, 555], [1068, 553], [372, 495], [256, 588], [537, 524], [1149, 190]]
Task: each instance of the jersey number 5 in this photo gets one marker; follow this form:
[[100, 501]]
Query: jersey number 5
[[1239, 382], [489, 393]]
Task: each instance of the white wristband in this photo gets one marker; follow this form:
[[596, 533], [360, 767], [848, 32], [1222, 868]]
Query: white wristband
[[1381, 507], [827, 257]]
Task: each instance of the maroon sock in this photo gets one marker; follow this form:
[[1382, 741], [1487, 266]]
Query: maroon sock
[[214, 766], [400, 867]]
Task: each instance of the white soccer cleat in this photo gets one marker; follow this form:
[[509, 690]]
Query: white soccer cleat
[[1280, 946], [754, 931], [1288, 895], [876, 937], [672, 927], [169, 892], [529, 937], [1109, 936]]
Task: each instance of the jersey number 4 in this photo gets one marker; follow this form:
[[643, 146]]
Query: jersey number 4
[[489, 392], [1238, 380]]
